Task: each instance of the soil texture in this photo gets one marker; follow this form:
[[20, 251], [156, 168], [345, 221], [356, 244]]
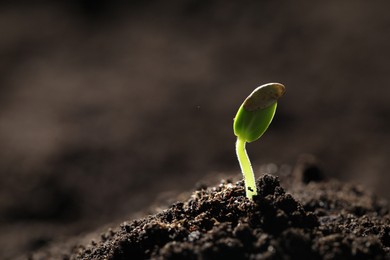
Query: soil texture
[[303, 216]]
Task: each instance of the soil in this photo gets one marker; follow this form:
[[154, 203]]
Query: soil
[[303, 216]]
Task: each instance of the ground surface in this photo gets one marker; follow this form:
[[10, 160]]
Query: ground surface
[[107, 105], [312, 218]]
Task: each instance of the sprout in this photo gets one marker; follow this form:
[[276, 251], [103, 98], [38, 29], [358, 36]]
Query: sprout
[[252, 120]]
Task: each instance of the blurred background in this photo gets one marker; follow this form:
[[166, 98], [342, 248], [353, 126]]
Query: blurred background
[[104, 105]]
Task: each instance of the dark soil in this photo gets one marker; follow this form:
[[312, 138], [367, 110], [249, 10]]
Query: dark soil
[[305, 217]]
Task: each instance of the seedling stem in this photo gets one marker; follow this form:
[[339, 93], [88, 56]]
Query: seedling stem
[[246, 168]]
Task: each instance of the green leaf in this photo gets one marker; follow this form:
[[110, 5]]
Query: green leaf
[[256, 113]]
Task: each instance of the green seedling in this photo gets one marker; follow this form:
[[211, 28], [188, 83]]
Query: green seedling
[[252, 120]]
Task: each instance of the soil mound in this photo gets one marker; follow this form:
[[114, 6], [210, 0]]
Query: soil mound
[[317, 219]]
